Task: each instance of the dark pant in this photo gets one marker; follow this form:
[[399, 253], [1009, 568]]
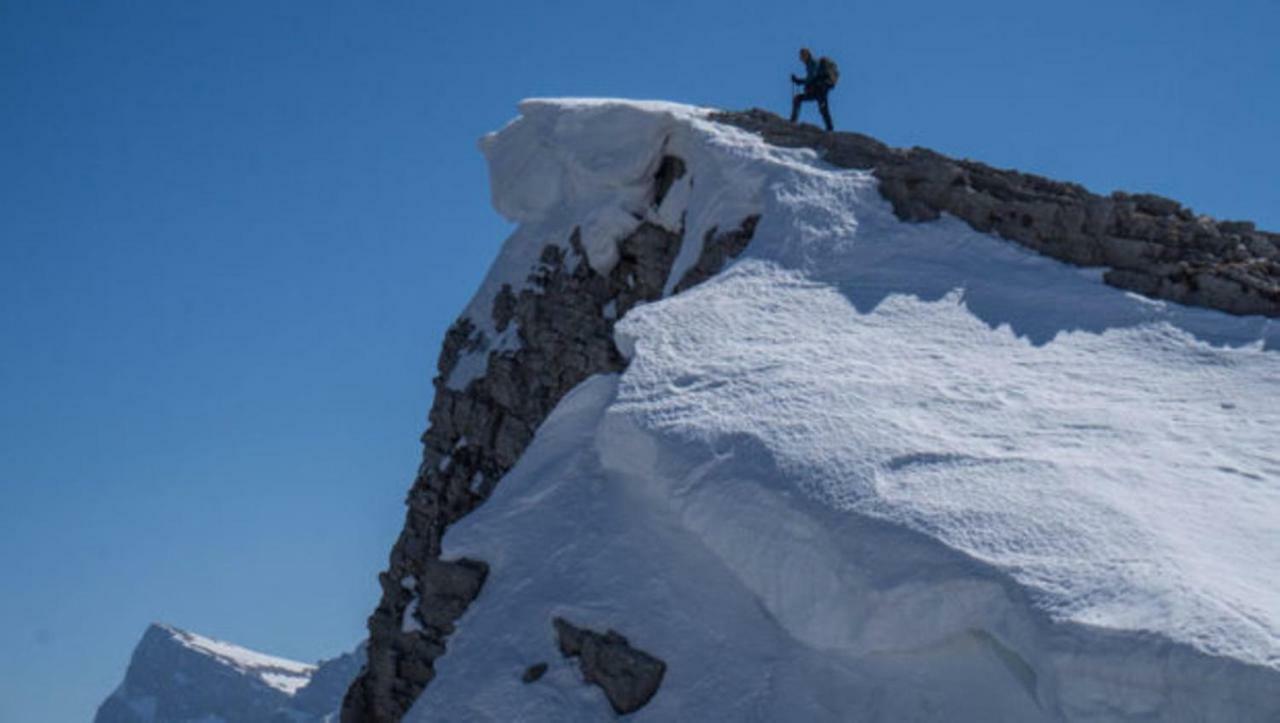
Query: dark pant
[[818, 93]]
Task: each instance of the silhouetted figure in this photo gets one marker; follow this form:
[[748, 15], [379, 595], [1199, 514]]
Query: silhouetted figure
[[820, 76]]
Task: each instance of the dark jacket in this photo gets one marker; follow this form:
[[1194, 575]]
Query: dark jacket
[[815, 75]]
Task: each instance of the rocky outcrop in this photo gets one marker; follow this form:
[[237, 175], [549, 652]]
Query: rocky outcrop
[[717, 249], [564, 320], [629, 677], [1153, 245]]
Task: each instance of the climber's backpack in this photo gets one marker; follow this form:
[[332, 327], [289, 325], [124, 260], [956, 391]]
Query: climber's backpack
[[828, 68]]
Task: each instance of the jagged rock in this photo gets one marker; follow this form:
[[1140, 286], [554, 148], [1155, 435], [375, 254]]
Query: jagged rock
[[1153, 245], [629, 677], [566, 335], [446, 589], [718, 248]]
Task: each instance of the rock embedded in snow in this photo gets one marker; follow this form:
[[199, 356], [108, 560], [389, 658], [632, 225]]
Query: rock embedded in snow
[[628, 676], [533, 673], [717, 249]]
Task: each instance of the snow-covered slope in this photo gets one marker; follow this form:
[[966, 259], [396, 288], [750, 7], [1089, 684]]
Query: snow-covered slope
[[177, 676], [875, 470]]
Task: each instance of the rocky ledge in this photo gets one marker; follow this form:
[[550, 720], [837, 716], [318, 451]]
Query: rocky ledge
[[1153, 245]]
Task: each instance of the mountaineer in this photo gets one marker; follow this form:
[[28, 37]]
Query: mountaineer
[[820, 76]]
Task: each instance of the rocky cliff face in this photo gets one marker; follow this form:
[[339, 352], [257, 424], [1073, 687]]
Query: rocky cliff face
[[545, 335], [564, 321]]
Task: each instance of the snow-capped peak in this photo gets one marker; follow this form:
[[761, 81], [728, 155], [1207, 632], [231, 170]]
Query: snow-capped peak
[[176, 675], [286, 676]]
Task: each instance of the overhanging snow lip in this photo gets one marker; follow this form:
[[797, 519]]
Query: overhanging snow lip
[[538, 103]]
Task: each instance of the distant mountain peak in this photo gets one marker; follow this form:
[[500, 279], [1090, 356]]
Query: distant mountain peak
[[286, 676], [178, 675]]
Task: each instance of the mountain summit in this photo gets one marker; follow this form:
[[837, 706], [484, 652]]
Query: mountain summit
[[749, 421]]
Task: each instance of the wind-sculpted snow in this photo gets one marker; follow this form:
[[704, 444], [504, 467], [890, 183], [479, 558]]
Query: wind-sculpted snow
[[1117, 455], [1127, 477], [874, 470], [559, 169]]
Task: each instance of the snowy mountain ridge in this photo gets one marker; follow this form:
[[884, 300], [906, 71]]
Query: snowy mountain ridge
[[754, 422], [1087, 470]]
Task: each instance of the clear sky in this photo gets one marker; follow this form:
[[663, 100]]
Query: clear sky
[[232, 235]]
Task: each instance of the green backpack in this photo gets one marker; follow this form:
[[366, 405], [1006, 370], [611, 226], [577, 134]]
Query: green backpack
[[828, 68]]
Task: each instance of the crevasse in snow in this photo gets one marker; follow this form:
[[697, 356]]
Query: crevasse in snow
[[874, 469]]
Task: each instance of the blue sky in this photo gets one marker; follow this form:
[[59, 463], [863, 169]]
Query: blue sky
[[232, 235]]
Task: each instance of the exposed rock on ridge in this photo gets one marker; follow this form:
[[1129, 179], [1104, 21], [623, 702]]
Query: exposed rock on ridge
[[1153, 245], [564, 319]]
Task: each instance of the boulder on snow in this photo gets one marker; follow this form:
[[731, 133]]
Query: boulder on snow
[[628, 676], [534, 673]]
